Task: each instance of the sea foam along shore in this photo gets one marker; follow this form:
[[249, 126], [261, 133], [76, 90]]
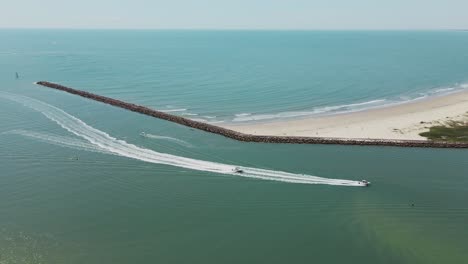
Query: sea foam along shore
[[229, 133], [401, 122]]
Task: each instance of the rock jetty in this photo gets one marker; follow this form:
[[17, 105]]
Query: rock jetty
[[253, 138]]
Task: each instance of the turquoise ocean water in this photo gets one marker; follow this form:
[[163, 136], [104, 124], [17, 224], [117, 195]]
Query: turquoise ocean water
[[79, 184]]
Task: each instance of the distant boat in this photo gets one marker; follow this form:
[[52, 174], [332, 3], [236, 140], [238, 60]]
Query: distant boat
[[73, 158], [238, 170], [17, 75]]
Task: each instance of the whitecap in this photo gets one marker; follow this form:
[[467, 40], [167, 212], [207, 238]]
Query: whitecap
[[174, 110]]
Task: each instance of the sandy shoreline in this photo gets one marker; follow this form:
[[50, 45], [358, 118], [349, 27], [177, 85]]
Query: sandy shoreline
[[457, 102], [402, 122]]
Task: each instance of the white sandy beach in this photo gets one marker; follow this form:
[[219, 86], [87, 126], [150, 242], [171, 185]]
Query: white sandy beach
[[403, 121]]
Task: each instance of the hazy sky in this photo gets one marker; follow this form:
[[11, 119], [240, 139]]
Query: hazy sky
[[235, 14]]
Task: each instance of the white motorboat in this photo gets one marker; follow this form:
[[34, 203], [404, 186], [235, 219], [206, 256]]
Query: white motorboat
[[365, 183], [238, 170]]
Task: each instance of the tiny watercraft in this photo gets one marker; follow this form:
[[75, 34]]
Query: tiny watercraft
[[364, 182], [238, 170]]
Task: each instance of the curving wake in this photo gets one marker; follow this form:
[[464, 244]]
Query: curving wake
[[58, 140], [103, 142]]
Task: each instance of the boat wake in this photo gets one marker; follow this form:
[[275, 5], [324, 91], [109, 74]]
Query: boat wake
[[58, 140], [171, 139], [103, 142]]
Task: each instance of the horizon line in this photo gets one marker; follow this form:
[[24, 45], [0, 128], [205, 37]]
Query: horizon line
[[237, 29]]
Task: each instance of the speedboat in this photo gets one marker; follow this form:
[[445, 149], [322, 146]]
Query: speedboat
[[238, 170], [364, 182], [143, 134]]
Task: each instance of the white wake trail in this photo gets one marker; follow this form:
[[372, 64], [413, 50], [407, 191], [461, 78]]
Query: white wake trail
[[175, 140], [61, 141], [109, 144]]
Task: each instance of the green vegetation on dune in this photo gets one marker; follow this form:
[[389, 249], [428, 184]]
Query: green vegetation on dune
[[453, 131]]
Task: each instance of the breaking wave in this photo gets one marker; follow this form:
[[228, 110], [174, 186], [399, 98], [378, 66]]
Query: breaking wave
[[245, 117], [174, 110], [108, 144], [348, 108]]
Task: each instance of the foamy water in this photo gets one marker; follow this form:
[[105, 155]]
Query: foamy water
[[348, 108], [58, 140], [107, 144], [166, 138], [107, 206]]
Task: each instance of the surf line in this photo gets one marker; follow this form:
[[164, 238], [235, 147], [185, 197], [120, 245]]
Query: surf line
[[102, 142], [247, 137]]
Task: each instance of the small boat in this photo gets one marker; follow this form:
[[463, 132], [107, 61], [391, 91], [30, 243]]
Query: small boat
[[238, 170], [143, 134], [17, 75], [73, 158], [364, 182]]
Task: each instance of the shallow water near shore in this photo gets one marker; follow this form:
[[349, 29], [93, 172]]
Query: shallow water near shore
[[64, 199]]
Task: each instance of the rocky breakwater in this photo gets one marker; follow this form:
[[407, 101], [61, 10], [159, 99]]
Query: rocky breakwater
[[252, 138]]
